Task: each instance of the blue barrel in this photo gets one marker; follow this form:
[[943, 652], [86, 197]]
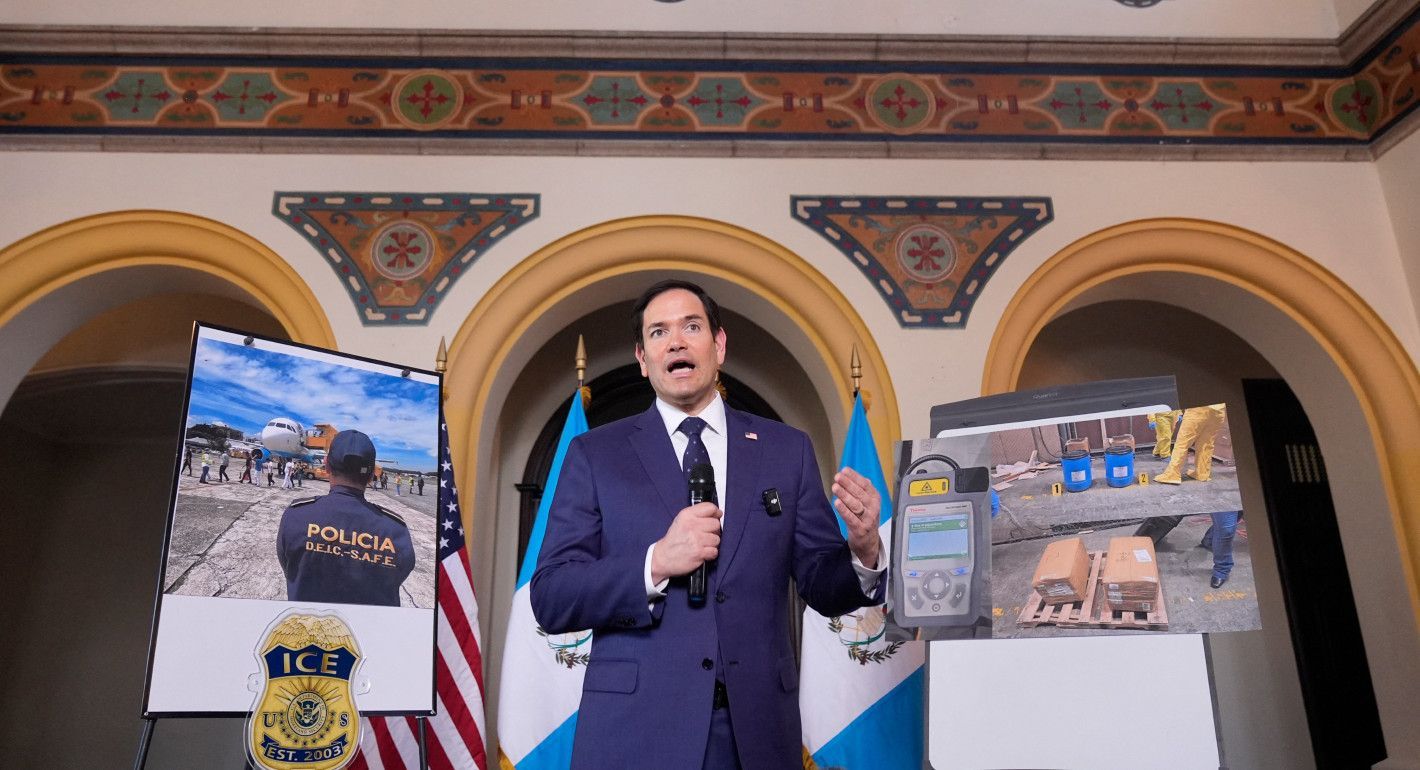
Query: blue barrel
[[1078, 475], [1119, 466]]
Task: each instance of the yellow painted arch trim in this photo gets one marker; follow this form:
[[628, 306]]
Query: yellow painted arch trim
[[1380, 372], [69, 252], [683, 244]]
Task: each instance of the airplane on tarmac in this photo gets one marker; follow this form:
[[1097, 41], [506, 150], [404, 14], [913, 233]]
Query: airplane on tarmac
[[284, 437]]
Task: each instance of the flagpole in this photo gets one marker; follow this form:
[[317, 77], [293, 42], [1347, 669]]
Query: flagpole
[[855, 369], [864, 709], [441, 365], [537, 718]]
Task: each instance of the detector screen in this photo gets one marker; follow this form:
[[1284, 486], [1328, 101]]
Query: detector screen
[[938, 537]]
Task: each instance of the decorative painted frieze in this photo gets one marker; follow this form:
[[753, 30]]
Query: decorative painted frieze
[[771, 100]]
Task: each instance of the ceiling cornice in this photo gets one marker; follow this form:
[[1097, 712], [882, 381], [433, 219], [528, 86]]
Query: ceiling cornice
[[1371, 27], [464, 44], [1353, 43]]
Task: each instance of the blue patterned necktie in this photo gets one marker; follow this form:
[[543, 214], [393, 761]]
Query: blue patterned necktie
[[695, 451]]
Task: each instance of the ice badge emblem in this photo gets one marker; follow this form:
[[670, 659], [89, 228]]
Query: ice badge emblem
[[305, 716]]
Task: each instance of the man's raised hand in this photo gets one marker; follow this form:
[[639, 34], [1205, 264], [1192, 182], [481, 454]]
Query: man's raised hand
[[858, 504]]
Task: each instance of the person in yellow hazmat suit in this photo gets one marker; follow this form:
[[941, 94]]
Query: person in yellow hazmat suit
[[1199, 430], [1162, 423]]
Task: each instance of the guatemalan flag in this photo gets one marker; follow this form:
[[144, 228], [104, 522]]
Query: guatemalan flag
[[861, 697], [542, 672]]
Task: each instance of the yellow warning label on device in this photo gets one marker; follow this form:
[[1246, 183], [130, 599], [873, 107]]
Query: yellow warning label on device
[[927, 488]]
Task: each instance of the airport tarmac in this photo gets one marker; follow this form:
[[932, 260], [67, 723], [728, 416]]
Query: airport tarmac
[[224, 538], [1028, 508], [427, 503], [1184, 571]]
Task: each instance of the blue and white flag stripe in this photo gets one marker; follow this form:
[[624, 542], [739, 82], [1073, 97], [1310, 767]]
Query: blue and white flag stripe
[[537, 707], [859, 697], [576, 425]]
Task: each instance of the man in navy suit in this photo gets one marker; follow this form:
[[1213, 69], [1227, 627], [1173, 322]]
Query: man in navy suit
[[671, 685]]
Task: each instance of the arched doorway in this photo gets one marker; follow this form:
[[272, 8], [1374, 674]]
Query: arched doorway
[[744, 270], [68, 273], [1358, 386], [505, 380], [96, 317]]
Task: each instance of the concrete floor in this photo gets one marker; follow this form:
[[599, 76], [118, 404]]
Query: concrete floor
[[1028, 509], [224, 538], [1184, 571]]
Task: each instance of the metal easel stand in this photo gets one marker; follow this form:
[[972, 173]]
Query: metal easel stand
[[145, 738], [423, 749]]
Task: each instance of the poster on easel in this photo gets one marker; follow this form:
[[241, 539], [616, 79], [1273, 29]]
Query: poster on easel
[[1123, 520], [299, 486], [1093, 594]]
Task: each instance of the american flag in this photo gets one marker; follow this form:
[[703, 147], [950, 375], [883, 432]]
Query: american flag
[[453, 737]]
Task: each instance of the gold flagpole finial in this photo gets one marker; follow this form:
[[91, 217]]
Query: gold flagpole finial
[[581, 361], [856, 370], [441, 365], [585, 391]]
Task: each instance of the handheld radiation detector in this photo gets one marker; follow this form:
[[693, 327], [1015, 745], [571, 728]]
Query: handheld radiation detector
[[941, 548]]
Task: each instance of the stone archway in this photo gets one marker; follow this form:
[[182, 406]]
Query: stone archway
[[47, 263], [105, 467], [1365, 351], [813, 319]]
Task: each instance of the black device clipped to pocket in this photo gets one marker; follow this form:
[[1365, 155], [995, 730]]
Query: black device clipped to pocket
[[770, 498]]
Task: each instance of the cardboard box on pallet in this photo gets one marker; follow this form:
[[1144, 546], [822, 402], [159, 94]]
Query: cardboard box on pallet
[[1131, 574], [1063, 571]]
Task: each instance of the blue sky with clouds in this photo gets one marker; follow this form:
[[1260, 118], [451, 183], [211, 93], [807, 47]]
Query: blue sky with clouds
[[245, 387]]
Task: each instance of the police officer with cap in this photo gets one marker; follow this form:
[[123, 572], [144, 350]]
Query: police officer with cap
[[342, 548]]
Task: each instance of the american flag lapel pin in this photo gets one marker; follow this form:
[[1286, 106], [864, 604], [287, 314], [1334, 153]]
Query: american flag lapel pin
[[752, 436]]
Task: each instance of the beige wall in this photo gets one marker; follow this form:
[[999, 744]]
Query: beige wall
[[1399, 172], [1348, 11], [1170, 19], [154, 331], [1334, 213]]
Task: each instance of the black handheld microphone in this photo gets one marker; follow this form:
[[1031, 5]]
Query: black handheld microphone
[[702, 490]]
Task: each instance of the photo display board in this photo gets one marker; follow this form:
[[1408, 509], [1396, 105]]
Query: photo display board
[[256, 528], [1122, 521], [1131, 681]]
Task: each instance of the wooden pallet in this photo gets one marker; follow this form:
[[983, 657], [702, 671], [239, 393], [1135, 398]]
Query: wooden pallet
[[1093, 611], [1070, 614], [1158, 620]]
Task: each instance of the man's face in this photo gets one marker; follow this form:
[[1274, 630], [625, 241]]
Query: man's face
[[678, 351]]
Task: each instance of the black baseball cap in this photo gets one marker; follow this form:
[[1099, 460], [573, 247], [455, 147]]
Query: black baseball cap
[[353, 452]]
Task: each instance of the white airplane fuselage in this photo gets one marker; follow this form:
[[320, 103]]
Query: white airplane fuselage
[[284, 437]]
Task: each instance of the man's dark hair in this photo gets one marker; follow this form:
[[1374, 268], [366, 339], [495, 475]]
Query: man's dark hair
[[638, 312]]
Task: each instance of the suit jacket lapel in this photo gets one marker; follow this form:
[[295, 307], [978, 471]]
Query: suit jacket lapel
[[742, 456], [653, 446]]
